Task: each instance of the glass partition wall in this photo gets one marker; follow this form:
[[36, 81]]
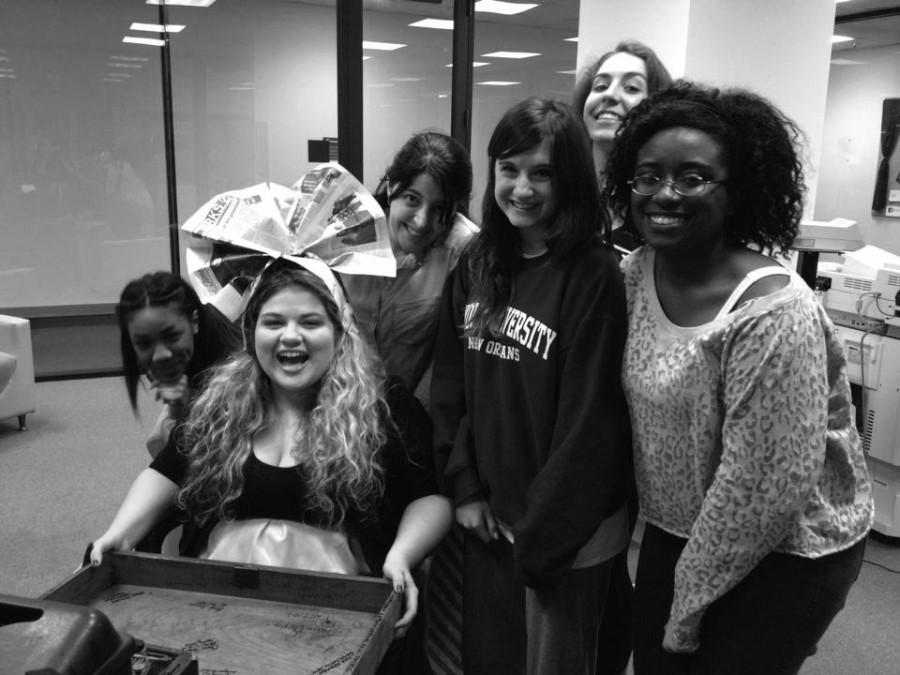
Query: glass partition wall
[[84, 179]]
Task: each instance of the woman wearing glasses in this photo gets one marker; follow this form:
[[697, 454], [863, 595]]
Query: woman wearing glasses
[[749, 468]]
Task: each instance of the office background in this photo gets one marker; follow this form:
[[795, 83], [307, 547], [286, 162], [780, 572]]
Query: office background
[[86, 191]]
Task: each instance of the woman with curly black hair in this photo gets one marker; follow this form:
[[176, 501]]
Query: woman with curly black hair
[[749, 468]]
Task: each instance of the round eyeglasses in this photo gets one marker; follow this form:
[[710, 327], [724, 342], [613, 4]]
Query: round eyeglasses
[[686, 186]]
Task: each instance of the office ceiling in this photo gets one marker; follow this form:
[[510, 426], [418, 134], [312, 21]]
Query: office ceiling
[[871, 23]]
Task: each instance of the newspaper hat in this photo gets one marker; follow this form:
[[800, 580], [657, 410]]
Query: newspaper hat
[[327, 219], [324, 273]]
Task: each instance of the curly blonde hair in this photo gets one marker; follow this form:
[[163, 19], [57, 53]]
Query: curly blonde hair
[[340, 438]]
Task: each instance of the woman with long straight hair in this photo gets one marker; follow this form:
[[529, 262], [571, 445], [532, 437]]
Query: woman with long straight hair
[[531, 430]]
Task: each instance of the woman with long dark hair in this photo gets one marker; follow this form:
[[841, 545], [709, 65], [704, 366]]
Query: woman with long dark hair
[[530, 422]]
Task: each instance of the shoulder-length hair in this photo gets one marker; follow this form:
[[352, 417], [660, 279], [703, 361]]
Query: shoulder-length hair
[[658, 77], [496, 249], [762, 150], [337, 447], [160, 289], [440, 156]]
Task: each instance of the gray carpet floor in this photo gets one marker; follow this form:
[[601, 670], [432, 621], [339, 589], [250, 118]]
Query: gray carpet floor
[[62, 480]]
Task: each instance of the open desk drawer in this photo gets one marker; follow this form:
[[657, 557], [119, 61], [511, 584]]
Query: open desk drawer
[[242, 619]]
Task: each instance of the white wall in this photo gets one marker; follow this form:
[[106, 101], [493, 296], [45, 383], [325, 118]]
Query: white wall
[[850, 151], [661, 24], [778, 48]]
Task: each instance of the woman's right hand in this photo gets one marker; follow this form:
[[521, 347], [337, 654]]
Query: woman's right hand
[[174, 394], [478, 518], [104, 544]]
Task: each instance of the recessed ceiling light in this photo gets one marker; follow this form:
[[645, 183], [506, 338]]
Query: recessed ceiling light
[[382, 46], [439, 24], [366, 57], [505, 8], [157, 27], [153, 42], [566, 72], [840, 38], [443, 95], [182, 3], [512, 55], [571, 39], [475, 64], [497, 83]]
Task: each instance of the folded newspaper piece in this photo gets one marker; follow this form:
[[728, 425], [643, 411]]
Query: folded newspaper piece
[[327, 215]]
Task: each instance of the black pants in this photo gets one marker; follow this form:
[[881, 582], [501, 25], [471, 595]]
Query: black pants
[[769, 623]]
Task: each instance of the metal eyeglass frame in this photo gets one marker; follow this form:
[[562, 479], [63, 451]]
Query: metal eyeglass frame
[[659, 183]]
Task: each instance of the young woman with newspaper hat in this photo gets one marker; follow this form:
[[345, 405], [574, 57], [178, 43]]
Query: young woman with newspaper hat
[[298, 452]]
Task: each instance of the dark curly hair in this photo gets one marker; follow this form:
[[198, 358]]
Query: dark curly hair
[[658, 77], [762, 150]]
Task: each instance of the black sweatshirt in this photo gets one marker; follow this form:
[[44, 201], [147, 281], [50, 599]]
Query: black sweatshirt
[[534, 419]]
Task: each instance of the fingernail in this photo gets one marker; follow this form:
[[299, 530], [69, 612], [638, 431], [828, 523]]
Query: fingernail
[[398, 588]]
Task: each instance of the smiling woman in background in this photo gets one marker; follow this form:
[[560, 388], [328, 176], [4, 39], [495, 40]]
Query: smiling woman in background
[[749, 467], [610, 86], [425, 193], [171, 338], [606, 90]]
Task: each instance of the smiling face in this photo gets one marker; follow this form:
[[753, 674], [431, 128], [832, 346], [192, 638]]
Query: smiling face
[[416, 216], [294, 341], [620, 83], [523, 189], [671, 222], [163, 341]]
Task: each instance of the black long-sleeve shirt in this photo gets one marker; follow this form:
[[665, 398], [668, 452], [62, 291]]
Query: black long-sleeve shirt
[[534, 419]]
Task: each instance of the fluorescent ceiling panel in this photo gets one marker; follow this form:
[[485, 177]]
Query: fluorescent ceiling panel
[[512, 55], [438, 24], [153, 42], [505, 8], [840, 38], [497, 83], [116, 57], [475, 64], [382, 46], [182, 3], [157, 27], [571, 39]]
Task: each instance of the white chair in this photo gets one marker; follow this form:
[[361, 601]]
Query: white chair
[[17, 391]]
